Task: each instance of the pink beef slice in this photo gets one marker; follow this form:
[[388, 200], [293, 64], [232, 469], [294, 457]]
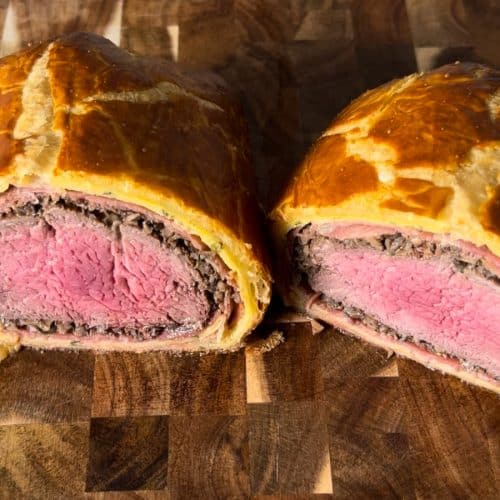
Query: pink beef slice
[[425, 298], [67, 267]]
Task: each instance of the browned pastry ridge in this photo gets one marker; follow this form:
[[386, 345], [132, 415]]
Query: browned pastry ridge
[[128, 217], [391, 225]]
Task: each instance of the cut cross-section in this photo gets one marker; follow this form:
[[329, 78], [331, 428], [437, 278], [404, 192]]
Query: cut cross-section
[[73, 265], [411, 286]]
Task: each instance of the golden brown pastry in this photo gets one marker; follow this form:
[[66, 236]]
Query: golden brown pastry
[[391, 225], [127, 212]]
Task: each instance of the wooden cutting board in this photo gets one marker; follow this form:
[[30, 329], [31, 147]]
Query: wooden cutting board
[[319, 416], [322, 414]]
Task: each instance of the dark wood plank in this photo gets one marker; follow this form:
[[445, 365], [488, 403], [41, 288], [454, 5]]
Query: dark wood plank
[[38, 21], [312, 496], [150, 28], [482, 18], [289, 372], [128, 454], [204, 9], [312, 20], [128, 495], [211, 384], [452, 436], [381, 23], [264, 21], [278, 141], [208, 457], [370, 404], [369, 465], [43, 460], [345, 358], [288, 449], [198, 47], [368, 444], [131, 384], [489, 406], [328, 78], [324, 70], [46, 387], [384, 44], [438, 24], [3, 12], [410, 370]]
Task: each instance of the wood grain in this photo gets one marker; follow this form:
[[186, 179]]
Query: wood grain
[[128, 454], [145, 27], [42, 460], [129, 495], [483, 25], [291, 369], [209, 457], [383, 40], [315, 65], [288, 447], [207, 385], [38, 20], [3, 12], [447, 462], [46, 387], [129, 384], [438, 24], [322, 416], [322, 21], [344, 359], [368, 442], [371, 465], [378, 406], [197, 46]]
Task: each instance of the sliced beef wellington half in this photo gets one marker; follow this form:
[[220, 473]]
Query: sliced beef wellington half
[[127, 212], [390, 228]]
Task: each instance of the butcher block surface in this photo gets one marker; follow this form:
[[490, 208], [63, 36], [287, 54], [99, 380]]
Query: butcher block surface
[[321, 415]]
